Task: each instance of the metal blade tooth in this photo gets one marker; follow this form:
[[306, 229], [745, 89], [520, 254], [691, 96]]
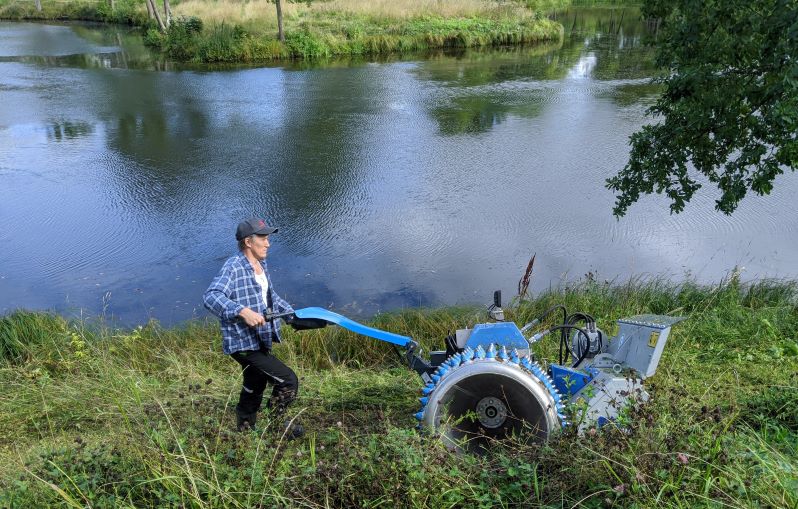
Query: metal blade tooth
[[526, 363]]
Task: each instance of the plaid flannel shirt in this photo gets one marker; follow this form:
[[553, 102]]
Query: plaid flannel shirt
[[233, 289]]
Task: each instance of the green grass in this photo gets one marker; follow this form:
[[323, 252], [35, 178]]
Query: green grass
[[93, 416], [310, 35], [127, 12], [352, 36]]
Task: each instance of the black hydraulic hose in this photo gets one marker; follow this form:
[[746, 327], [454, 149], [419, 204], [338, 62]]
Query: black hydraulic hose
[[569, 323], [590, 323], [551, 310], [545, 315], [580, 316], [564, 341]]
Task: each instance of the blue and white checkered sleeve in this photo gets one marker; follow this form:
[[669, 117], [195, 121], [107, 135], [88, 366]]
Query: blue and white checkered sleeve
[[217, 296]]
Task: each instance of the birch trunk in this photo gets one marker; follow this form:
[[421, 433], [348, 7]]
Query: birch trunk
[[39, 5], [157, 15], [280, 34], [167, 12]]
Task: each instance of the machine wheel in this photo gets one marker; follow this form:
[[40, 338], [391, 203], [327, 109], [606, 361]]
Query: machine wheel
[[478, 396]]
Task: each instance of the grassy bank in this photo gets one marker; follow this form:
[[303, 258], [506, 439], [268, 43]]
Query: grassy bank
[[98, 417], [234, 31]]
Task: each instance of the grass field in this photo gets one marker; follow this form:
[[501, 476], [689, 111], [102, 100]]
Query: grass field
[[263, 12], [93, 416], [246, 31]]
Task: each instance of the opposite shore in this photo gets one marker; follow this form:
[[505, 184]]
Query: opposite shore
[[228, 31]]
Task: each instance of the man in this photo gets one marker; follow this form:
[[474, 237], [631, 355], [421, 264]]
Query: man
[[239, 295]]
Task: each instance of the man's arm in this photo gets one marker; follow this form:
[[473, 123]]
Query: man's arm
[[217, 296]]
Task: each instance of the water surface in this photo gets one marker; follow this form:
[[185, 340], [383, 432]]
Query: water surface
[[419, 181]]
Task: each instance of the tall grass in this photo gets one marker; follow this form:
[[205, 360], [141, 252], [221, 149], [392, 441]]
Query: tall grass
[[349, 37], [246, 31], [264, 12], [100, 417], [129, 12]]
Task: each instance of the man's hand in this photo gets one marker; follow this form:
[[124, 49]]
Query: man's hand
[[252, 318]]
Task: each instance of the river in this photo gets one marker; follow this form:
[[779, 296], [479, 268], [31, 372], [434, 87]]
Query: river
[[423, 180]]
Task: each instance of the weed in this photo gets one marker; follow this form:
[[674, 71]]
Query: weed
[[144, 417]]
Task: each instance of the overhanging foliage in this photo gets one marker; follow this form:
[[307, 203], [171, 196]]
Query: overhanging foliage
[[730, 107]]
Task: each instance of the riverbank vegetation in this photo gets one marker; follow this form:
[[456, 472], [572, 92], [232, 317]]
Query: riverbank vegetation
[[234, 31], [95, 416]]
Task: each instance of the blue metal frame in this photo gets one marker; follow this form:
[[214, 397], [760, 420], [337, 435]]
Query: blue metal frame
[[359, 328], [569, 381], [504, 334]]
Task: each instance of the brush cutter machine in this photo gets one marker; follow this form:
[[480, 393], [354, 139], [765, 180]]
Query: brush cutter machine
[[487, 383]]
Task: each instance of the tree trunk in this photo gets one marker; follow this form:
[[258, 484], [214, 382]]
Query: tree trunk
[[39, 5], [280, 34], [113, 5], [150, 15], [167, 12], [157, 15]]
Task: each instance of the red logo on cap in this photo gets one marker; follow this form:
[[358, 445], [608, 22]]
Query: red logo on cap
[[262, 223]]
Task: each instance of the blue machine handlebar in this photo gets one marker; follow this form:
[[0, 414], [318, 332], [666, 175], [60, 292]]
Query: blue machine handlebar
[[359, 328]]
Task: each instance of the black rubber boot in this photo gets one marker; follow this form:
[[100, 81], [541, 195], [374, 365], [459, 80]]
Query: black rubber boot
[[246, 422], [279, 402], [293, 431]]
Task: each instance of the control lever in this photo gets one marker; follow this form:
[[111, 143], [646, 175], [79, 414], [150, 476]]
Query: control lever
[[495, 311]]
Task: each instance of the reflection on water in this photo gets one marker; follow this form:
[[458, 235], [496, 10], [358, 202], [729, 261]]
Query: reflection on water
[[418, 180], [58, 131], [584, 68], [471, 114]]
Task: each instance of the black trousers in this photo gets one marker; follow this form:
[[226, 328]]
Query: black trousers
[[260, 368]]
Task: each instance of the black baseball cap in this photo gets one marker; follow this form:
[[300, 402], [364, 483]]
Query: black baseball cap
[[253, 226]]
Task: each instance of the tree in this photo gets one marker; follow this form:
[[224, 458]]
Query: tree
[[152, 11], [729, 106], [280, 34]]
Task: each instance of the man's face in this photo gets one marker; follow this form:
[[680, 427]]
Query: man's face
[[259, 245]]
